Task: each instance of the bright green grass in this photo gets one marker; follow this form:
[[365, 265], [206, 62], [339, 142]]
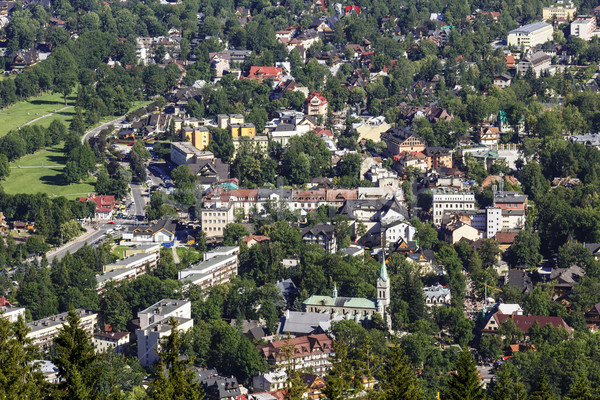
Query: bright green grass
[[194, 256], [119, 251], [47, 179], [25, 111]]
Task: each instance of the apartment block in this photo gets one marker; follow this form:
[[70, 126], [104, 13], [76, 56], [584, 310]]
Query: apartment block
[[450, 200], [218, 266], [530, 35], [42, 332]]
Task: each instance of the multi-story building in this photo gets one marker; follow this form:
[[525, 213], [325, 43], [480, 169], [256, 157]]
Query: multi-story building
[[450, 200], [242, 130], [584, 27], [215, 218], [155, 324], [402, 139], [42, 332], [225, 120], [187, 153], [9, 311], [140, 261], [530, 35], [312, 351], [437, 295], [218, 266], [199, 136], [262, 142], [560, 10], [116, 276], [539, 62], [322, 235], [118, 341], [438, 157], [316, 104], [399, 230]]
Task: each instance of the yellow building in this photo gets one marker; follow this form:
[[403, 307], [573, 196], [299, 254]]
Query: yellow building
[[561, 9], [199, 136], [242, 130], [226, 120]]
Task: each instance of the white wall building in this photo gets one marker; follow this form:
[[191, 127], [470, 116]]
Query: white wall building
[[155, 325], [42, 332], [584, 27], [530, 35], [450, 200], [218, 266], [396, 231], [9, 311]]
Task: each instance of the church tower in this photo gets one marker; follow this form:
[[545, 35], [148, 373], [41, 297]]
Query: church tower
[[383, 288]]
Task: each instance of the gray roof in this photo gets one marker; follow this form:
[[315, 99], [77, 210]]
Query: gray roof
[[164, 325], [133, 258], [319, 230], [282, 193], [217, 386], [163, 307], [302, 322], [529, 28], [55, 320], [110, 275]]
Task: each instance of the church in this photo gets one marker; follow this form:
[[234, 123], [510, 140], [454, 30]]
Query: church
[[355, 308]]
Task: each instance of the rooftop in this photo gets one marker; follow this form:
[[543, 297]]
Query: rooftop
[[164, 307], [529, 28]]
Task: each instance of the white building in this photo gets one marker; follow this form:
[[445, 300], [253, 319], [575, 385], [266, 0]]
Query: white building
[[118, 341], [539, 62], [396, 231], [187, 153], [139, 261], [584, 27], [42, 332], [445, 199], [530, 35], [437, 295], [218, 266], [9, 311], [155, 325]]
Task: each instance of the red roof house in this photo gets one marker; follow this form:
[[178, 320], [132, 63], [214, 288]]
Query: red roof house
[[262, 73], [104, 205]]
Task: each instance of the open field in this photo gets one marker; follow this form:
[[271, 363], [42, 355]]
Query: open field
[[25, 111], [45, 177]]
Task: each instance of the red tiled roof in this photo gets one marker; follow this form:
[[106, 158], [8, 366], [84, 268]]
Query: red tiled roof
[[303, 346], [258, 238], [506, 237], [525, 322], [264, 72], [317, 95], [103, 203]]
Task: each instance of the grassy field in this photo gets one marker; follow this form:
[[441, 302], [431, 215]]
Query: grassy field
[[47, 178], [25, 111]]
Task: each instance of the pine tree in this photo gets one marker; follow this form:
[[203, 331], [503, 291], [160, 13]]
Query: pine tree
[[399, 381], [174, 380], [294, 384], [341, 380], [543, 391], [18, 377], [464, 384], [75, 358]]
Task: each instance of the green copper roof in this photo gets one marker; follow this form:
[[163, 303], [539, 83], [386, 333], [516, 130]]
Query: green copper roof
[[383, 275]]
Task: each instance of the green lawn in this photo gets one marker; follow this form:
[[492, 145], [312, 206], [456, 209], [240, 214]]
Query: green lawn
[[25, 111], [194, 256], [45, 179], [119, 251]]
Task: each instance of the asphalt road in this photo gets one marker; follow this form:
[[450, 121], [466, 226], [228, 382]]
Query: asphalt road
[[97, 130], [138, 199], [89, 237]]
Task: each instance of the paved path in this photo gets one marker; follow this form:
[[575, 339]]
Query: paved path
[[44, 116], [98, 129], [88, 237], [175, 255]]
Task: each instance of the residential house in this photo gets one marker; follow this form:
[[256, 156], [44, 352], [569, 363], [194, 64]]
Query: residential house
[[224, 121], [523, 322], [321, 234], [382, 177], [488, 135], [252, 240], [324, 26], [260, 73], [397, 231], [215, 218], [117, 276], [520, 280], [592, 317], [9, 311], [155, 324], [105, 205], [438, 157], [270, 381], [502, 80], [22, 59], [455, 231], [199, 136], [210, 172], [218, 387], [316, 104], [161, 231]]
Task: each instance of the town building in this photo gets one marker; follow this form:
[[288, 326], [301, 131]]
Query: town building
[[316, 104], [42, 332], [215, 218], [437, 295], [538, 62], [438, 157], [155, 324], [260, 73], [322, 235], [270, 381], [355, 308], [302, 323], [199, 136], [502, 80], [141, 262], [252, 141], [105, 205], [217, 267], [445, 199], [9, 311], [397, 231], [242, 130], [161, 231], [187, 153], [402, 139], [218, 387], [584, 27], [118, 341], [312, 351], [117, 276], [562, 9], [488, 135], [523, 322], [530, 35]]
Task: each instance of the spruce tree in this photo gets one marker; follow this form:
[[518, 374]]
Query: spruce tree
[[543, 391], [174, 380], [75, 358], [19, 379], [342, 380], [464, 384], [399, 380], [580, 390]]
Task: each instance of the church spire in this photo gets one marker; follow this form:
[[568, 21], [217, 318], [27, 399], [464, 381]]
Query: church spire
[[383, 275], [335, 292]]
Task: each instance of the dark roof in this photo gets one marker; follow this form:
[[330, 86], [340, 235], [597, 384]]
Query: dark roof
[[525, 322], [320, 230], [401, 132], [519, 279], [210, 171], [218, 386]]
